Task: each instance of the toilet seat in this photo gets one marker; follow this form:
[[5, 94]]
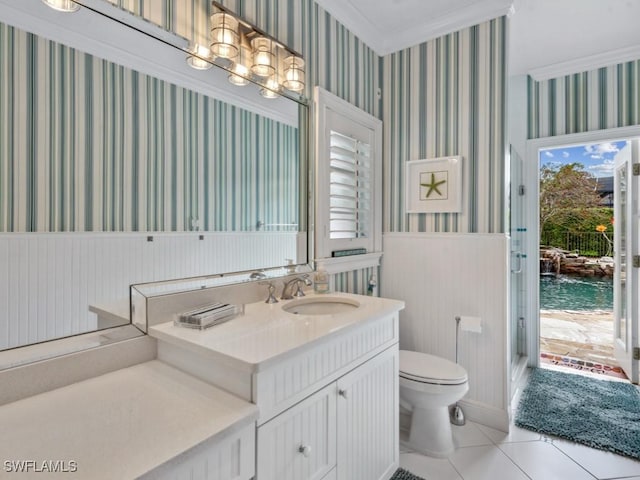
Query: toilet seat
[[425, 368]]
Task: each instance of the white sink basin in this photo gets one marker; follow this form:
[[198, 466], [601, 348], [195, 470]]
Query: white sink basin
[[320, 305]]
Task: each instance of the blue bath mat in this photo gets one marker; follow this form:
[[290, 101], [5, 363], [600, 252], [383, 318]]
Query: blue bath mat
[[598, 413], [402, 474]]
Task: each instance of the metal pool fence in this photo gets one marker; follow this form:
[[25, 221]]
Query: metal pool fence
[[589, 244]]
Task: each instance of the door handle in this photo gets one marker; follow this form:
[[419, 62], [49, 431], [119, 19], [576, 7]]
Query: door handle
[[518, 256]]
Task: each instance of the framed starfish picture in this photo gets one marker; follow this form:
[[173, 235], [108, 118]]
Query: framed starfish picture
[[434, 185]]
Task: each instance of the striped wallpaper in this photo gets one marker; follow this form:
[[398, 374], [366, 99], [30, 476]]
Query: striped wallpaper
[[447, 97], [335, 58], [357, 281], [599, 99], [87, 145]]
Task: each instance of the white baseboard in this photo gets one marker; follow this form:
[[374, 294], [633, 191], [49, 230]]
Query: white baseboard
[[485, 415], [473, 411]]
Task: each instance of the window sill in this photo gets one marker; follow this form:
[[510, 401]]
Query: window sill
[[335, 265]]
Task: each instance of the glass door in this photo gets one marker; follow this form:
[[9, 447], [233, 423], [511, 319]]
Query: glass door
[[625, 298], [518, 291]]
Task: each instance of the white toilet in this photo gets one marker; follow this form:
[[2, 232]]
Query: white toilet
[[428, 385]]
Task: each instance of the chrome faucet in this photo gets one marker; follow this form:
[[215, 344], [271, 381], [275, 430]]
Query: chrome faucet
[[272, 289], [287, 291]]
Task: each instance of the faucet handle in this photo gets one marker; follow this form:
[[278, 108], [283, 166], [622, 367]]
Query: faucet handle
[[299, 292], [302, 280], [272, 290]]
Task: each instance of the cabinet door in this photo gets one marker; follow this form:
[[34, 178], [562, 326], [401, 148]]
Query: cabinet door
[[367, 412], [299, 444]]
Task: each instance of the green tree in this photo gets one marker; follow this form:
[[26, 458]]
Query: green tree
[[568, 198]]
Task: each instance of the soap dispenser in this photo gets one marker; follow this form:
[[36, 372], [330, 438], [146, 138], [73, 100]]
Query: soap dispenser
[[320, 279]]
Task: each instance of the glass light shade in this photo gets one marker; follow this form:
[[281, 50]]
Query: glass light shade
[[239, 75], [271, 88], [294, 73], [62, 5], [263, 57], [224, 35], [201, 58]]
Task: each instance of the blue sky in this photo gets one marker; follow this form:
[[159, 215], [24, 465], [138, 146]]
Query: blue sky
[[596, 158]]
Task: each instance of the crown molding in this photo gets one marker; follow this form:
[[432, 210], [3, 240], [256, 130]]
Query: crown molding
[[384, 42], [584, 64], [475, 14], [351, 17]]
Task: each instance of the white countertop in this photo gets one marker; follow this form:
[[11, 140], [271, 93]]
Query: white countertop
[[121, 424], [266, 333]]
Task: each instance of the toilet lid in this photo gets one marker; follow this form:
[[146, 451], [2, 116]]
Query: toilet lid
[[422, 367]]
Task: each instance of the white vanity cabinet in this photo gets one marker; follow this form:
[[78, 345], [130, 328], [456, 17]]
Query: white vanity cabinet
[[300, 443], [351, 424], [326, 386], [367, 414]]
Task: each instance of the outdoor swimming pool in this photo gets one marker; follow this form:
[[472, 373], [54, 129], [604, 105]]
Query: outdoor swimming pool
[[563, 292]]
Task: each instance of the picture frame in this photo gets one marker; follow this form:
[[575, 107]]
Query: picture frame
[[434, 185]]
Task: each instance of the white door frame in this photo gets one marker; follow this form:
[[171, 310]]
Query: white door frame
[[628, 229], [532, 206]]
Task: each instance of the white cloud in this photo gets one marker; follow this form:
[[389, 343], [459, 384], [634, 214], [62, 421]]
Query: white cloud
[[566, 154], [601, 150], [548, 154], [604, 169]]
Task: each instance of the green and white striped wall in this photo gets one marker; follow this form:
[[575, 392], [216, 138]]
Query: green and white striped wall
[[599, 99], [87, 145], [357, 281], [447, 97], [335, 58], [94, 187]]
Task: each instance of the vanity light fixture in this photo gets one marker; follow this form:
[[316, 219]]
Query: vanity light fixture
[[271, 88], [239, 70], [264, 59], [224, 35], [201, 58], [62, 5], [294, 73], [248, 54]]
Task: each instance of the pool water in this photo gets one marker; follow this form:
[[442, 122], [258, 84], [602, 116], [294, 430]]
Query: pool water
[[563, 292]]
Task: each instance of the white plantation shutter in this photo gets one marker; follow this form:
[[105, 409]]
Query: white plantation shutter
[[349, 187], [349, 184]]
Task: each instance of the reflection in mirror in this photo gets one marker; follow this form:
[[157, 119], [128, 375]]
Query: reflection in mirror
[[110, 176]]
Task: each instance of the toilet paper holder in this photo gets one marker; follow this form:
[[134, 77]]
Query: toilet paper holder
[[471, 324]]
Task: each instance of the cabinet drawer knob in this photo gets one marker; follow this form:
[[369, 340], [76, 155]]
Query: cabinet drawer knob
[[304, 450], [343, 393]]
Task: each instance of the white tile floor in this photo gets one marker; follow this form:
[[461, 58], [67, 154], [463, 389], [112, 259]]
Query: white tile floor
[[483, 453]]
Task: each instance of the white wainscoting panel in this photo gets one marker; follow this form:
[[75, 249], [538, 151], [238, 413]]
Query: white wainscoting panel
[[441, 276], [48, 281]]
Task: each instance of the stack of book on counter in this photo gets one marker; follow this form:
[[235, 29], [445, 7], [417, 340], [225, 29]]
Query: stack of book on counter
[[207, 316]]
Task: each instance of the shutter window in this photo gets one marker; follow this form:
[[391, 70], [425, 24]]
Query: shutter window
[[349, 187]]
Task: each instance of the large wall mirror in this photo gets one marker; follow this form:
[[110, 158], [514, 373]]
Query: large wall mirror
[[120, 164]]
